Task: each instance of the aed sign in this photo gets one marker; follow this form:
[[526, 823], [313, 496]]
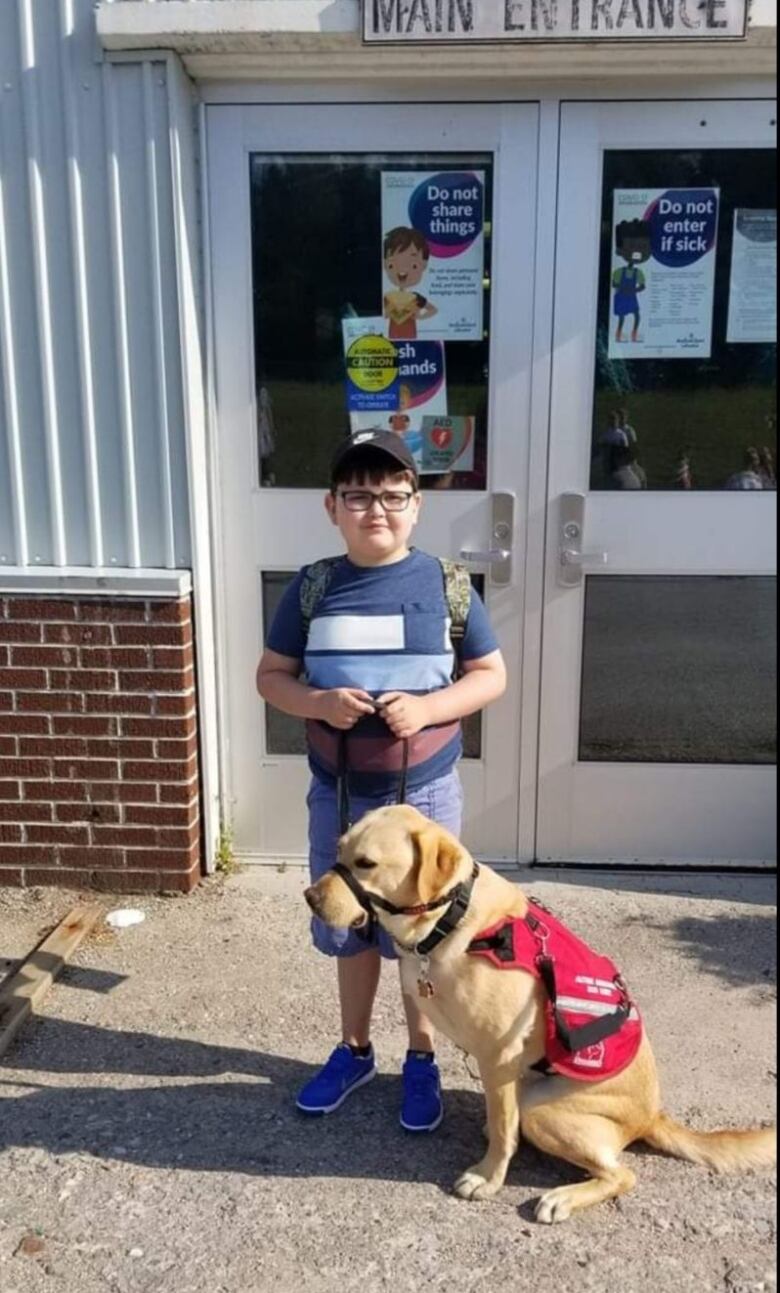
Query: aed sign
[[450, 21]]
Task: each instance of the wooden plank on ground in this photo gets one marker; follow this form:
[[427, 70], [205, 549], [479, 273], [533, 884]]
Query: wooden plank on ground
[[23, 993]]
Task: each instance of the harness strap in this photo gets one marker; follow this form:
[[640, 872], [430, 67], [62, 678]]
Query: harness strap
[[364, 932], [502, 943], [577, 1039], [572, 1039], [456, 901], [452, 916]]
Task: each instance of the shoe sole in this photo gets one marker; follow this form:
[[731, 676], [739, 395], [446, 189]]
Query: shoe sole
[[330, 1108], [431, 1126]]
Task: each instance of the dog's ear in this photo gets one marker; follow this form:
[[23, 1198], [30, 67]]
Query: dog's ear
[[437, 855]]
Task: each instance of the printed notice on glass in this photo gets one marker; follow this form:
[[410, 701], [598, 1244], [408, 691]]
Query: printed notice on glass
[[447, 444], [433, 254], [662, 273], [422, 391], [371, 362], [753, 285]]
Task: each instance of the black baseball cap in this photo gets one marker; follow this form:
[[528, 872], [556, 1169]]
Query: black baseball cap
[[376, 438]]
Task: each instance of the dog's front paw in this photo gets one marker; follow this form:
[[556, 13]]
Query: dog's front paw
[[555, 1205], [473, 1185]]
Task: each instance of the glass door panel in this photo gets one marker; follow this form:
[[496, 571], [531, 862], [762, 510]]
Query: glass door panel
[[305, 245], [658, 679]]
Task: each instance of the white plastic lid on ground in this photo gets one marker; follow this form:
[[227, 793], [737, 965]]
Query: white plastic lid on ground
[[124, 917]]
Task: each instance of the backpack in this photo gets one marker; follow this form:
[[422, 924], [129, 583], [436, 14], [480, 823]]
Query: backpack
[[457, 593]]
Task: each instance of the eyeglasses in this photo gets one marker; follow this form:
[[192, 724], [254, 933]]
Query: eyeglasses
[[361, 500]]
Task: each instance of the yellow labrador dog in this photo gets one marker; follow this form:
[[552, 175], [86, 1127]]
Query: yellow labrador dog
[[395, 862]]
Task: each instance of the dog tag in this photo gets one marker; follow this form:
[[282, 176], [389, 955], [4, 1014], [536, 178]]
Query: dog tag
[[424, 985]]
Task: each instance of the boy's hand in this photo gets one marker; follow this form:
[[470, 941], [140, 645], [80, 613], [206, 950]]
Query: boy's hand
[[343, 706], [405, 715]]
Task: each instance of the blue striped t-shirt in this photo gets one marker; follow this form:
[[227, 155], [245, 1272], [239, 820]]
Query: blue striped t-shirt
[[380, 628]]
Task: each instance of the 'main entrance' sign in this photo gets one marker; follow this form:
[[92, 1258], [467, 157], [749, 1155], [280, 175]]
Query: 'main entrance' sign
[[508, 20]]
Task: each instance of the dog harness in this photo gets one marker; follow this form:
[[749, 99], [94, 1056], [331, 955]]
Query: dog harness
[[593, 1029]]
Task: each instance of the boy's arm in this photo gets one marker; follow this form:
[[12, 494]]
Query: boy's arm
[[483, 681], [279, 684]]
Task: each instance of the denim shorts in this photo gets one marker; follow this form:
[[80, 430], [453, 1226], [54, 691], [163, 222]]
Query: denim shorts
[[440, 800]]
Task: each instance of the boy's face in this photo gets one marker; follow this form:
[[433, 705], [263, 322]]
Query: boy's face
[[405, 268], [376, 535]]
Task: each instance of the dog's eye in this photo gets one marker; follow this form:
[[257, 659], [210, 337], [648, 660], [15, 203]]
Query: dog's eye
[[364, 864]]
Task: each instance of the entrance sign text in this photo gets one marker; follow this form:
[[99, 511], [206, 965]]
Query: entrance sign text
[[513, 20]]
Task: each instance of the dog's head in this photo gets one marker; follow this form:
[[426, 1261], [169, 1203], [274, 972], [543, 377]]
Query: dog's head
[[400, 857]]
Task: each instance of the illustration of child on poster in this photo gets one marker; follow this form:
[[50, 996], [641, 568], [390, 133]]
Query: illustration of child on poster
[[406, 254], [433, 254], [662, 273], [632, 245]]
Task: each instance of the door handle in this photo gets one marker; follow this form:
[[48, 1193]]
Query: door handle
[[571, 557], [497, 558], [572, 560], [489, 558]]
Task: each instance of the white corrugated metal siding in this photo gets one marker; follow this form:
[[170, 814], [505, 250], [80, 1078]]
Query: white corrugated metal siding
[[93, 466]]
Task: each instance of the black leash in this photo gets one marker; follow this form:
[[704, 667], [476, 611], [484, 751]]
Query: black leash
[[345, 816], [456, 900]]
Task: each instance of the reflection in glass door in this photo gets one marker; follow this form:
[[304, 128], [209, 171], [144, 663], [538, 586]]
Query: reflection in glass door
[[681, 421], [657, 739], [317, 237]]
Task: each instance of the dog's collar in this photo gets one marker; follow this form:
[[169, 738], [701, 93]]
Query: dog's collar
[[456, 901]]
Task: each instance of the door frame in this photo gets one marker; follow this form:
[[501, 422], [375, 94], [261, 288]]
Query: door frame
[[550, 99], [582, 804], [234, 132]]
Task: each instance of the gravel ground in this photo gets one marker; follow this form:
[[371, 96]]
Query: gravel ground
[[148, 1141]]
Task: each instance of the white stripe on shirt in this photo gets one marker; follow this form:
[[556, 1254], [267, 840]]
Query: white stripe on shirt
[[357, 633]]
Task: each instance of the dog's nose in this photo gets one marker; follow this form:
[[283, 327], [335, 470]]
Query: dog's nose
[[311, 898]]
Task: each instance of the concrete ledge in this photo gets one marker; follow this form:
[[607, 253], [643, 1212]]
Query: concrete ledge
[[319, 40], [81, 582]]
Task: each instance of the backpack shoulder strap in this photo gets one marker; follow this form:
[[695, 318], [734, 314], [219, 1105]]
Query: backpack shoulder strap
[[457, 591], [314, 585]]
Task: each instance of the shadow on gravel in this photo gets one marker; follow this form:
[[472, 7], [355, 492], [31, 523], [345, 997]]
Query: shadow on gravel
[[742, 949], [723, 886], [229, 1123]]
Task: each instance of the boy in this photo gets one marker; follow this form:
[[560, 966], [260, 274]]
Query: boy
[[377, 664]]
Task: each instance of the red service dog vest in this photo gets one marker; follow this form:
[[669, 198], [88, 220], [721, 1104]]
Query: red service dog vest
[[593, 1029]]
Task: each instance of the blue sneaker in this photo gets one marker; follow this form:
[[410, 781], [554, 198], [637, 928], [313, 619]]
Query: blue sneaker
[[342, 1074], [422, 1107]]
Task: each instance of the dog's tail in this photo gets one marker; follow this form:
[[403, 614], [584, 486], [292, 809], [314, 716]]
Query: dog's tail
[[724, 1151]]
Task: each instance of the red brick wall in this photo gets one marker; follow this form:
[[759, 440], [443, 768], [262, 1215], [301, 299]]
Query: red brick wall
[[99, 781]]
